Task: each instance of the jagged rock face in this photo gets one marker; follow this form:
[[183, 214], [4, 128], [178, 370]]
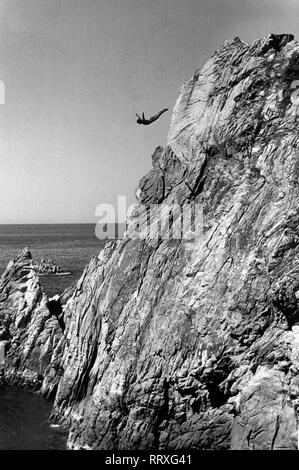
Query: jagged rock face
[[170, 347], [28, 329], [167, 172]]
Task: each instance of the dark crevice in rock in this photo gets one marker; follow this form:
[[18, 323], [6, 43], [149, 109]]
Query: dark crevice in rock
[[276, 42], [55, 308], [275, 433], [162, 415], [213, 380]]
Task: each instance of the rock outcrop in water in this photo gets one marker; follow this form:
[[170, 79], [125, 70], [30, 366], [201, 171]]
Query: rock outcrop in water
[[43, 267], [168, 347], [29, 330]]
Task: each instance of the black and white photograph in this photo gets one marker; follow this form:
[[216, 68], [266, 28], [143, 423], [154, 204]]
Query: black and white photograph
[[149, 240]]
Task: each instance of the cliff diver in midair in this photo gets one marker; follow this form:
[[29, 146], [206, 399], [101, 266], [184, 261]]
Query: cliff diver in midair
[[146, 122]]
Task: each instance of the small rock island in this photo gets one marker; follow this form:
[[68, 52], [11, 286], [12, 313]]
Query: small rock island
[[44, 268]]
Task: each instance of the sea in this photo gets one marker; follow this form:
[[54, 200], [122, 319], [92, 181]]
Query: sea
[[24, 416], [24, 422], [70, 246]]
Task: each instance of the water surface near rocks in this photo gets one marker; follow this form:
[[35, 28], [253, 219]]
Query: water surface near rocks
[[70, 246], [24, 422]]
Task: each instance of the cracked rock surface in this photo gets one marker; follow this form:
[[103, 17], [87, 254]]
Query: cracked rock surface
[[29, 331], [166, 347]]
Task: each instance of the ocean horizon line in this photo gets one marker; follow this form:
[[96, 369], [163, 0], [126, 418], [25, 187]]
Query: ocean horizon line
[[57, 223]]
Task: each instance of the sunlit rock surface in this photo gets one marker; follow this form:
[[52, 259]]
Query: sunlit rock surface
[[167, 347]]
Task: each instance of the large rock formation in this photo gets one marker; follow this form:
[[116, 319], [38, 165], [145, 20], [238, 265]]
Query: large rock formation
[[175, 344], [30, 330]]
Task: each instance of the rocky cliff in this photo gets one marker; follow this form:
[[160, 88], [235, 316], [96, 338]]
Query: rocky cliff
[[29, 331], [178, 343]]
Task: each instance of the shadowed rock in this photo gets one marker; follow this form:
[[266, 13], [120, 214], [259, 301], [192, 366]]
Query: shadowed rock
[[31, 332]]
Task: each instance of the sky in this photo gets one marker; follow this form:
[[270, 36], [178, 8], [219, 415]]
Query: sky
[[76, 72]]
